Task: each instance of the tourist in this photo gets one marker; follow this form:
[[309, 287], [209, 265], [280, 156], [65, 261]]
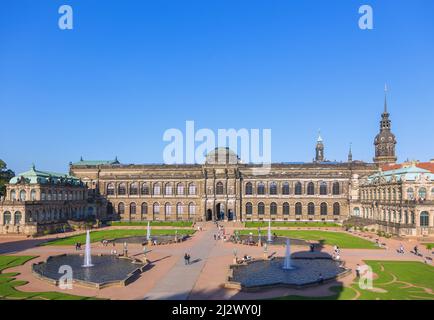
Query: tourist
[[188, 259], [215, 237], [185, 258], [358, 271], [320, 279], [416, 250], [401, 249]]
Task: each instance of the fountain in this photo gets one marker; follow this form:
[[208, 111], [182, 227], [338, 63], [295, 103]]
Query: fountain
[[87, 253], [148, 232], [270, 239], [287, 262]]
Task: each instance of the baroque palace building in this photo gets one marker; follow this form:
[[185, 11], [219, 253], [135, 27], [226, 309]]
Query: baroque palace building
[[389, 197]]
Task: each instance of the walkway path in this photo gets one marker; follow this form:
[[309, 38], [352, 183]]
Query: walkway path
[[178, 283]]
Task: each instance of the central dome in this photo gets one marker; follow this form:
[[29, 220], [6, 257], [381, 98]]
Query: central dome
[[222, 155]]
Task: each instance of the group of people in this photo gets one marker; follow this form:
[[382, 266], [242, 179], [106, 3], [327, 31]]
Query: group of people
[[221, 234], [77, 246]]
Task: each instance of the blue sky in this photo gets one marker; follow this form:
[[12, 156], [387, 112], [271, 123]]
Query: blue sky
[[129, 70]]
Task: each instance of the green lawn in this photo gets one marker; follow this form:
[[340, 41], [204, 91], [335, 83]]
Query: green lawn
[[343, 240], [311, 224], [397, 280], [97, 236], [8, 283], [178, 224]]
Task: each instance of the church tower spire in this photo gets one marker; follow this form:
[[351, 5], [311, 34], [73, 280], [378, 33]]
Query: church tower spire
[[350, 154], [319, 150], [385, 141]]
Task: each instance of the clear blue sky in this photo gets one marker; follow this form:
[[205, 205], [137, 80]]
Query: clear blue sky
[[132, 69]]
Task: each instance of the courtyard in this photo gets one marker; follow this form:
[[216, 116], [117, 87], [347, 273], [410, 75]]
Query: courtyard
[[396, 276]]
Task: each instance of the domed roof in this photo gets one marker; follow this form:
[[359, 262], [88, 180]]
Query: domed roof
[[222, 155]]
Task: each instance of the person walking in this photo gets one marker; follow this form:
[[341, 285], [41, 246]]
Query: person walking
[[358, 271], [186, 258]]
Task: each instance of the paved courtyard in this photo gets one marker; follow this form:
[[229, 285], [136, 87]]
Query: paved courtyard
[[167, 276]]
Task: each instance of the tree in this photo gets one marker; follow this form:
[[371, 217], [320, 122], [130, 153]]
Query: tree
[[5, 175]]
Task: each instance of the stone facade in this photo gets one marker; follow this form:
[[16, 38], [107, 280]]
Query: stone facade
[[400, 200], [229, 191]]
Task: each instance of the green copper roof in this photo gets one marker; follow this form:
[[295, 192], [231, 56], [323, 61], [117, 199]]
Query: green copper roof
[[34, 176], [95, 162], [407, 173]]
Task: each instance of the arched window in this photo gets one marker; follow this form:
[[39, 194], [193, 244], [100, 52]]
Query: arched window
[[13, 195], [156, 208], [180, 190], [261, 208], [424, 219], [298, 189], [298, 209], [249, 188], [285, 208], [144, 208], [23, 195], [191, 209], [323, 209], [311, 208], [33, 195], [43, 196], [261, 188], [323, 188], [179, 208], [122, 189], [249, 208], [336, 209], [356, 212], [191, 189], [134, 189], [310, 188], [410, 194], [55, 196], [132, 208], [273, 208], [59, 195], [157, 189], [168, 189], [145, 189], [219, 188], [422, 193], [273, 188], [7, 217], [168, 209], [285, 188], [336, 188], [121, 208]]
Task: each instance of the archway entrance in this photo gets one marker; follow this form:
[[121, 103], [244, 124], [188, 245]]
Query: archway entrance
[[220, 212], [208, 215], [230, 215]]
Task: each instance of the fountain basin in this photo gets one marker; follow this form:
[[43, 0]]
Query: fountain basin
[[107, 270], [161, 239], [279, 241], [262, 274]]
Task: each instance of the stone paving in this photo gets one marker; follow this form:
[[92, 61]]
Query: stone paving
[[169, 278]]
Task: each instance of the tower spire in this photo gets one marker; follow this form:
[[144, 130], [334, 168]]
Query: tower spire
[[385, 98], [350, 153]]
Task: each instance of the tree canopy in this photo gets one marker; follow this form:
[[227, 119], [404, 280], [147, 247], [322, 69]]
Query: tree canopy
[[5, 175]]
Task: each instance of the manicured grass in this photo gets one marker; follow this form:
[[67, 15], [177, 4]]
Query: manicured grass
[[310, 224], [397, 280], [8, 283], [429, 246], [343, 240], [179, 224], [97, 236]]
